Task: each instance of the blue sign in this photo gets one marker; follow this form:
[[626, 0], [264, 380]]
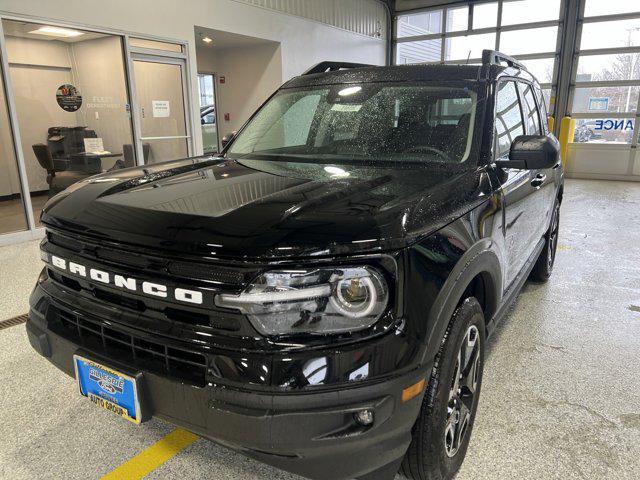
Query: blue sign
[[599, 103], [618, 124]]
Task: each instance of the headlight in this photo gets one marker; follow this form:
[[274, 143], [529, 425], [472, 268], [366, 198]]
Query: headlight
[[325, 300]]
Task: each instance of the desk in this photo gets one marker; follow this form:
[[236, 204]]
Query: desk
[[90, 162]]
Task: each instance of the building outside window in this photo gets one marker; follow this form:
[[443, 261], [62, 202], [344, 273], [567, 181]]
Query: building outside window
[[607, 73], [527, 30]]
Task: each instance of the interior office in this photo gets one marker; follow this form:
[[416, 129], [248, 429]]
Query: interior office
[[65, 140]]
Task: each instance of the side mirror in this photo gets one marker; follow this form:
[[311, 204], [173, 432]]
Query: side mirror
[[532, 152], [228, 138]]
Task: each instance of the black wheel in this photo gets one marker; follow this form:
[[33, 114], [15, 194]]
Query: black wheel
[[544, 265], [442, 431]]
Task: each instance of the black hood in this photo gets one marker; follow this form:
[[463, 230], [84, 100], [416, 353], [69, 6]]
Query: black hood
[[250, 208]]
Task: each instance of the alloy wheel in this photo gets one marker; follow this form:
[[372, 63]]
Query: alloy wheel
[[553, 236], [462, 392]]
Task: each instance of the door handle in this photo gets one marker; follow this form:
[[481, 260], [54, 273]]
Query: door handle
[[539, 180]]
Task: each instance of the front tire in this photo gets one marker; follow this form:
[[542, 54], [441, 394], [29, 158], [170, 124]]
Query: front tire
[[441, 434]]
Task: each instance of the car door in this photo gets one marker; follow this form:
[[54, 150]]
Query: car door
[[519, 190], [542, 179]]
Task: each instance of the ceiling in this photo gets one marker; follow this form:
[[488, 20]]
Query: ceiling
[[24, 30], [222, 39]]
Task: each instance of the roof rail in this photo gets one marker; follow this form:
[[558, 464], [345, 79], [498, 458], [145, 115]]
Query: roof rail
[[493, 57], [323, 67]]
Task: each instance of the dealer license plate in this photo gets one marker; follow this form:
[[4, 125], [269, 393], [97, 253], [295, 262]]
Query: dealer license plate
[[108, 388]]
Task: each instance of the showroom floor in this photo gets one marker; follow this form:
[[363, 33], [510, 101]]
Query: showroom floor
[[561, 393]]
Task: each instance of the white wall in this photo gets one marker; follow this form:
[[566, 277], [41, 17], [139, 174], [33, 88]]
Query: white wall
[[303, 42], [252, 74], [612, 162]]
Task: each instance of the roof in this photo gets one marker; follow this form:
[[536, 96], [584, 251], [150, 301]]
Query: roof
[[494, 64]]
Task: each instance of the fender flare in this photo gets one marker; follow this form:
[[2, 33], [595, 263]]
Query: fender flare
[[480, 258]]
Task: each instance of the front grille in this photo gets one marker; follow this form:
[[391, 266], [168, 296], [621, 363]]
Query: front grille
[[183, 365], [128, 259]]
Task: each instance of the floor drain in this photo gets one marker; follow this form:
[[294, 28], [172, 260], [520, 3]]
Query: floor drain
[[12, 322]]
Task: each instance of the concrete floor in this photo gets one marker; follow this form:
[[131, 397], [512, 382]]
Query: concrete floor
[[561, 393]]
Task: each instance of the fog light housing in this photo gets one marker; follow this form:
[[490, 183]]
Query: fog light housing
[[364, 417]]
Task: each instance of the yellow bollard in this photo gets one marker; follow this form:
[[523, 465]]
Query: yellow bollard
[[567, 128], [550, 123]]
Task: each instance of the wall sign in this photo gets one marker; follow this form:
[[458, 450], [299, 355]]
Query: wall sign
[[617, 124], [161, 108], [68, 97], [599, 103]]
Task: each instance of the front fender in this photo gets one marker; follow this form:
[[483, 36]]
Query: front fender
[[440, 299]]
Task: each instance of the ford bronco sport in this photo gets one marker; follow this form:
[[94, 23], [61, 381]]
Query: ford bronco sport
[[319, 295]]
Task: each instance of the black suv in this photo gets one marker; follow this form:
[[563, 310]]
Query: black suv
[[318, 296]]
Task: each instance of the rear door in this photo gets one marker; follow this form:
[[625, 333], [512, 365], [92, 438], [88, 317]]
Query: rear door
[[520, 225]]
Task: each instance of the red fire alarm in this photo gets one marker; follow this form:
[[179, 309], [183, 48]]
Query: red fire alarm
[[227, 117], [223, 79]]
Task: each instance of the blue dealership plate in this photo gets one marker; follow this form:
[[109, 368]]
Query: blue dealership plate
[[108, 388]]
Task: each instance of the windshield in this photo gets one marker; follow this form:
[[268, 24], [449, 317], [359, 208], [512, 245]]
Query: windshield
[[366, 122]]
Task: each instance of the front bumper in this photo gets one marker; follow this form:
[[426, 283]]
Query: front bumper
[[312, 434]]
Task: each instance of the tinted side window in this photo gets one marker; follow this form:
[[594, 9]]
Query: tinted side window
[[508, 123], [543, 108], [529, 109]]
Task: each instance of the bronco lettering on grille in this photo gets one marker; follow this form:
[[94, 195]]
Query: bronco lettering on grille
[[128, 283]]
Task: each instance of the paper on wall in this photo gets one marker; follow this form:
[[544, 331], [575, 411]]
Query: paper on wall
[[161, 108]]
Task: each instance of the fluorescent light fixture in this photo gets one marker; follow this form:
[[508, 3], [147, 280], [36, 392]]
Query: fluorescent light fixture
[[349, 91], [207, 40], [57, 32], [336, 171]]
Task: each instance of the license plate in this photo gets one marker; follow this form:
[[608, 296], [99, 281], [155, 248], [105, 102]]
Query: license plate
[[108, 388]]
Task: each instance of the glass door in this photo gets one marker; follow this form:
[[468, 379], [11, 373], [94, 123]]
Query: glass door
[[208, 118], [161, 101], [13, 214]]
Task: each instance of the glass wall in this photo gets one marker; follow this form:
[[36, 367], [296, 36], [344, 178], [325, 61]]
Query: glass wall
[[12, 212], [66, 111], [606, 94], [526, 29], [71, 102], [208, 120]]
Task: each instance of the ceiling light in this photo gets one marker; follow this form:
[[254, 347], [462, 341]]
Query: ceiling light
[[336, 171], [349, 91], [57, 32], [207, 40]]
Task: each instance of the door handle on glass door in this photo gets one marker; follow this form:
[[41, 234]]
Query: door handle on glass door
[[539, 180]]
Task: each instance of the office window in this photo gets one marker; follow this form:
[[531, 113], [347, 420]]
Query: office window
[[71, 103]]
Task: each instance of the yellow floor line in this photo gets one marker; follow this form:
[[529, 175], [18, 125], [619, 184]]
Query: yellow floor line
[[152, 457]]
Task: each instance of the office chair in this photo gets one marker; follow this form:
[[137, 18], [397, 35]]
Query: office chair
[[58, 180]]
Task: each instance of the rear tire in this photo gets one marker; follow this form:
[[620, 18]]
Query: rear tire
[[441, 434], [544, 265]]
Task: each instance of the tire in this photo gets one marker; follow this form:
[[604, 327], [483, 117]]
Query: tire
[[434, 453], [544, 265]]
